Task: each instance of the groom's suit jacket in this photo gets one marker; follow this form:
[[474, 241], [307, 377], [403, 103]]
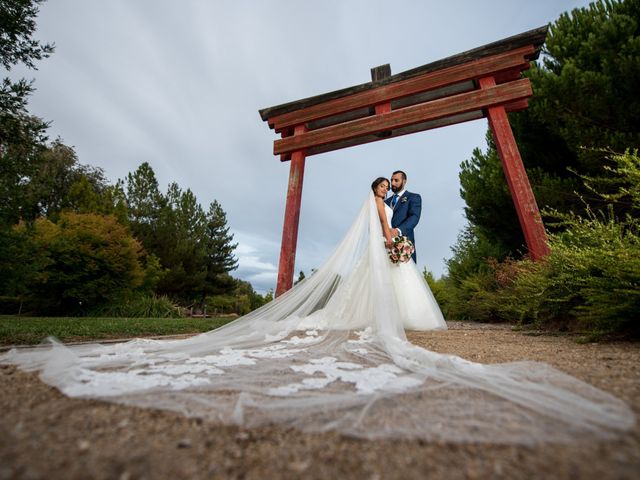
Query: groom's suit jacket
[[406, 214]]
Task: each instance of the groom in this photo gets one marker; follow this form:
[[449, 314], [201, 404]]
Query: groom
[[406, 208]]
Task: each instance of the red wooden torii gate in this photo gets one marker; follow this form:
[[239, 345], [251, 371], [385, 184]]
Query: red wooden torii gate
[[484, 82]]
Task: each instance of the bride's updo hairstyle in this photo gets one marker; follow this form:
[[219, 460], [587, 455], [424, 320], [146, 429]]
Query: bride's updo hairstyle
[[377, 182]]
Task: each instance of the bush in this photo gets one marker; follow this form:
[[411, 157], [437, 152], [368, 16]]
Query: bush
[[84, 261], [590, 281], [439, 289], [225, 304], [139, 306]]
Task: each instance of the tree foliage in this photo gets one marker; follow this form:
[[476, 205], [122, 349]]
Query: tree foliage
[[144, 204], [585, 106], [70, 240], [589, 82], [17, 26], [17, 46], [84, 260], [195, 248], [585, 100], [53, 180], [21, 135], [589, 282]]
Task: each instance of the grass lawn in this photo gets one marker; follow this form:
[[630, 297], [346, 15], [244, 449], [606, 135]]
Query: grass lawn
[[32, 330]]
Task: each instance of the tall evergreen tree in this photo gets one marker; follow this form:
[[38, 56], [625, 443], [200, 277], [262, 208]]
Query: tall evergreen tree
[[219, 252], [23, 150], [144, 202], [585, 100], [22, 136], [180, 245], [195, 248], [219, 246]]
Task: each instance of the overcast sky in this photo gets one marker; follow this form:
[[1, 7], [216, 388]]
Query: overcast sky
[[179, 84]]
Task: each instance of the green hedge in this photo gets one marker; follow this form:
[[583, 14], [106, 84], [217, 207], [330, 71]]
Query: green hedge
[[139, 306], [590, 281]]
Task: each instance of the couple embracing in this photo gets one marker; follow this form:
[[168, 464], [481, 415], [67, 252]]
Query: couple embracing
[[399, 214], [404, 208]]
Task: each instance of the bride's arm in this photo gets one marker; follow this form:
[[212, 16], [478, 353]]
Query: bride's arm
[[386, 231]]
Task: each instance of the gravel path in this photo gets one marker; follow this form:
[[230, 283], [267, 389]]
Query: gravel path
[[46, 435]]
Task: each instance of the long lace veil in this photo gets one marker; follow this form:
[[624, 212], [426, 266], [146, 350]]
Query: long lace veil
[[331, 354]]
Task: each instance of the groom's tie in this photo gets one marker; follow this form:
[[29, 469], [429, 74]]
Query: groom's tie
[[394, 200]]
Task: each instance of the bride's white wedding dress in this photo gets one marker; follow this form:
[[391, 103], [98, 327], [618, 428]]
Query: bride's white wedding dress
[[331, 354], [417, 306]]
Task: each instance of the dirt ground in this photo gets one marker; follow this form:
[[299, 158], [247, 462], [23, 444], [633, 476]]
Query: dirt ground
[[46, 435]]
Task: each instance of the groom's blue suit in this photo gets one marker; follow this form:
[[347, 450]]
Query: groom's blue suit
[[406, 214]]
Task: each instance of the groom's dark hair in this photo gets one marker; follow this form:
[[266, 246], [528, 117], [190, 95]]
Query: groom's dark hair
[[404, 175]]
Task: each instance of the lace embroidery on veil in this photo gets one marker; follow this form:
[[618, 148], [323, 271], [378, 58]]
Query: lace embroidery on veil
[[331, 354]]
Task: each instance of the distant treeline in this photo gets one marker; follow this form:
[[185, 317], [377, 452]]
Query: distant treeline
[[72, 243]]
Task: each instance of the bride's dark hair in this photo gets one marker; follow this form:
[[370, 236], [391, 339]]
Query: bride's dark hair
[[377, 182]]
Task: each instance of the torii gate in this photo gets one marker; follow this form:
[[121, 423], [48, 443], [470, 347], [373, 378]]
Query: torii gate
[[484, 82]]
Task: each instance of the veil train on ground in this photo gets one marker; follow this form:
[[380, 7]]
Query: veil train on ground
[[331, 354]]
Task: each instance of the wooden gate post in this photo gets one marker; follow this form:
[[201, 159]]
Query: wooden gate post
[[517, 180], [291, 219]]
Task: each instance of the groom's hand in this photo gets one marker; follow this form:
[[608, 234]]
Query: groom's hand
[[395, 232]]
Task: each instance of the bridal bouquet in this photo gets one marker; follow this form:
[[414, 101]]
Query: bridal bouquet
[[401, 250]]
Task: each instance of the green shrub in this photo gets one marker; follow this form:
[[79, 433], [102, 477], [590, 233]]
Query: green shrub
[[595, 269], [590, 281], [217, 304], [84, 260], [436, 286], [138, 306]]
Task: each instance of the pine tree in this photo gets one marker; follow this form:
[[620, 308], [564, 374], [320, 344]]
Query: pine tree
[[144, 202], [22, 135], [585, 100], [194, 248], [180, 245], [219, 246]]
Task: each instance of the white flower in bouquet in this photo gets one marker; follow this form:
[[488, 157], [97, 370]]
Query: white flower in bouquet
[[401, 250]]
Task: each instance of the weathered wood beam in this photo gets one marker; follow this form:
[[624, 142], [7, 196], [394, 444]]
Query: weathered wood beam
[[535, 38], [429, 81], [465, 117], [517, 180], [464, 102], [378, 74], [291, 219], [395, 104], [517, 105], [429, 95], [340, 118], [508, 75], [419, 127]]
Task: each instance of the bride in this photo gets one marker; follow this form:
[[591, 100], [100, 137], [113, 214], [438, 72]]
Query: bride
[[331, 354], [416, 308]]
